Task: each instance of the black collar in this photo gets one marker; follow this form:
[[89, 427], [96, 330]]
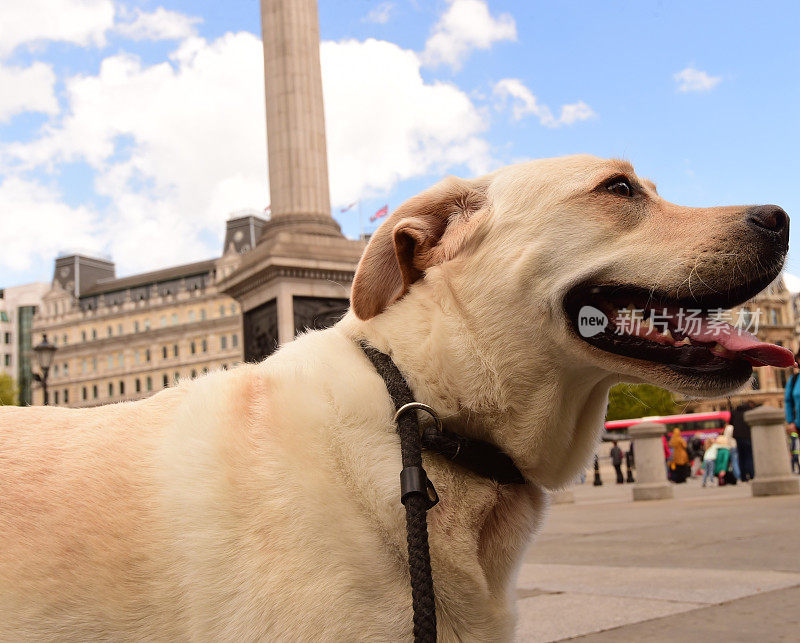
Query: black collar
[[483, 458]]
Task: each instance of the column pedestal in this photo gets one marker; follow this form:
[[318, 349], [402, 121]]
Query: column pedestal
[[648, 452], [770, 455]]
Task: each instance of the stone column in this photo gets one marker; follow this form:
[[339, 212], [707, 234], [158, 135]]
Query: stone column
[[298, 163], [648, 452], [770, 455]]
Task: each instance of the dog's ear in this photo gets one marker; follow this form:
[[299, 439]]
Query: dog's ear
[[426, 230]]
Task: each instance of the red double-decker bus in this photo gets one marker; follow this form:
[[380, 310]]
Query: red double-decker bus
[[705, 425]]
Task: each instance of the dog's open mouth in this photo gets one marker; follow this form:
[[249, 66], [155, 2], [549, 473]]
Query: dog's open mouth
[[693, 336]]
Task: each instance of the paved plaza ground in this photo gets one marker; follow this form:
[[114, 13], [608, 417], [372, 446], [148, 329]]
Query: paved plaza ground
[[712, 564]]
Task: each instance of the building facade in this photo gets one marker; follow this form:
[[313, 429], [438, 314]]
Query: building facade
[[121, 339], [770, 315], [18, 305]]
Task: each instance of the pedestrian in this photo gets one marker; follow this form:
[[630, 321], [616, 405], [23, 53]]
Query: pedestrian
[[727, 441], [680, 457], [616, 460], [667, 454], [792, 408], [744, 444], [709, 462], [794, 449]]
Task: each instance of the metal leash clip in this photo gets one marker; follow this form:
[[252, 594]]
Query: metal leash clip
[[414, 480]]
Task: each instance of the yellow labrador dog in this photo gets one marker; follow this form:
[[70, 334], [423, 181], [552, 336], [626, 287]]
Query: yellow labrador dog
[[263, 503]]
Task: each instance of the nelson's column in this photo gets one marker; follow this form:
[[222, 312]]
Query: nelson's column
[[299, 274]]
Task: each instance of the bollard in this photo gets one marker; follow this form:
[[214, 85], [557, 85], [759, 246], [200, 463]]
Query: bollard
[[770, 455], [597, 480], [651, 475]]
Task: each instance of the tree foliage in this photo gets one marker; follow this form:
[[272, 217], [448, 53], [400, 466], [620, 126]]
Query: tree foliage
[[627, 401], [8, 390]]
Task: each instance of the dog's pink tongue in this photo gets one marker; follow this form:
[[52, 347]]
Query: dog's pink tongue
[[737, 340]]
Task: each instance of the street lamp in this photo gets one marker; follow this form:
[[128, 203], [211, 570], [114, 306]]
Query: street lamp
[[45, 351]]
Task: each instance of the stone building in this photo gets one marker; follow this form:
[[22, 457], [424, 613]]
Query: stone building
[[18, 305], [771, 315], [122, 339]]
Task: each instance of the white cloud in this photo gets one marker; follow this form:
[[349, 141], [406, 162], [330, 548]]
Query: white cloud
[[792, 282], [81, 22], [178, 145], [694, 80], [524, 103], [37, 224], [32, 90], [160, 24], [380, 15], [385, 124], [466, 25]]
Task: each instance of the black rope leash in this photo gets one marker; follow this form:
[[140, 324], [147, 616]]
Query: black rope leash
[[417, 492]]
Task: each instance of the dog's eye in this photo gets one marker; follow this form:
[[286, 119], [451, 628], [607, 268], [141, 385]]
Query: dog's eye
[[620, 187]]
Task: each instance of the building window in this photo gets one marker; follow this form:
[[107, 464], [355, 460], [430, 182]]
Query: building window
[[175, 350], [55, 370], [66, 369], [166, 380], [94, 365], [177, 377], [110, 331], [194, 373], [3, 316], [83, 335], [94, 333], [83, 366], [94, 391], [147, 324], [223, 342], [222, 310], [84, 393], [205, 346], [174, 319], [66, 396], [149, 383], [110, 362], [136, 327], [110, 389], [193, 348], [8, 338], [120, 360], [234, 340], [203, 314], [136, 357], [7, 359], [163, 321], [163, 352], [121, 387], [191, 315], [147, 355], [119, 329], [55, 397], [138, 385], [233, 309]]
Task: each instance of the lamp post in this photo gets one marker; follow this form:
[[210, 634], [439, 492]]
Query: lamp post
[[45, 351]]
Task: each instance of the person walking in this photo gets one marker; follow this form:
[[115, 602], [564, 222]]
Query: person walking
[[794, 449], [680, 457], [744, 444], [709, 462], [616, 460], [792, 405], [727, 441]]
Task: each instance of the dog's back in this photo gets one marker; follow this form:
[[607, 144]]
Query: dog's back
[[214, 509]]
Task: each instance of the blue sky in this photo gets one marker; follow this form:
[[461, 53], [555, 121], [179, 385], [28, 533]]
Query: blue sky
[[134, 129]]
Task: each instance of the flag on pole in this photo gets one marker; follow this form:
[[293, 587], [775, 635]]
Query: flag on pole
[[380, 213], [349, 207]]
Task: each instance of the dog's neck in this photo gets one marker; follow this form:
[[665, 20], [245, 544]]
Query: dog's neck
[[545, 414]]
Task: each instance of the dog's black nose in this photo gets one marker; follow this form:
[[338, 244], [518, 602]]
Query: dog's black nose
[[770, 218]]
